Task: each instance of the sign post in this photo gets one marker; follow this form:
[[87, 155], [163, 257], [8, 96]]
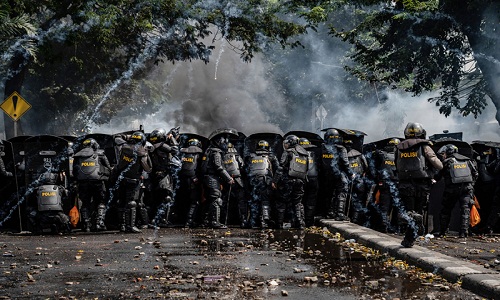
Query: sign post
[[15, 106], [321, 114]]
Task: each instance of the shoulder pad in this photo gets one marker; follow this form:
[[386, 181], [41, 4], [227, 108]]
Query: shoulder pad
[[100, 151], [301, 150], [353, 153], [460, 156], [85, 152], [192, 149]]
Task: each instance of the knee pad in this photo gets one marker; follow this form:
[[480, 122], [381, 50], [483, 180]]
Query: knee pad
[[131, 204]]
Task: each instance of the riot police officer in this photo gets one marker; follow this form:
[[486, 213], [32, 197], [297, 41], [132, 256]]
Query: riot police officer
[[311, 185], [261, 165], [358, 189], [416, 164], [233, 163], [386, 182], [190, 176], [336, 171], [165, 167], [91, 169], [459, 175], [290, 179], [132, 161], [3, 171], [216, 175]]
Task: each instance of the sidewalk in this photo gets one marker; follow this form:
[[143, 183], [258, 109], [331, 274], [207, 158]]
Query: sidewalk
[[471, 260]]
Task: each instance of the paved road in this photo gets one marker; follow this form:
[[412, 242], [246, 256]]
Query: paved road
[[471, 262], [205, 264]]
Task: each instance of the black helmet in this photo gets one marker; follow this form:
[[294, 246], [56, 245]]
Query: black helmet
[[91, 143], [158, 135], [194, 142], [393, 142], [305, 142], [290, 141], [414, 131], [332, 136], [138, 138], [221, 141], [451, 149], [262, 145]]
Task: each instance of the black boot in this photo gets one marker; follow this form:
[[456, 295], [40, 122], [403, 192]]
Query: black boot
[[101, 213], [122, 219], [130, 221], [341, 211], [215, 215], [444, 221], [265, 217], [191, 215], [85, 220], [298, 210]]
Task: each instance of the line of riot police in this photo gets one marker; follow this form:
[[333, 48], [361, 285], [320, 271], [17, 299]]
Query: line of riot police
[[135, 180]]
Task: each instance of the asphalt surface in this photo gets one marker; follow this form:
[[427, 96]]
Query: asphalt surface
[[208, 264], [473, 262]]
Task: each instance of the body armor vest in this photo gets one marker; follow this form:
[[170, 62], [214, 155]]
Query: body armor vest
[[356, 162], [49, 198], [298, 165], [259, 165], [388, 165], [312, 168], [231, 164], [130, 161], [411, 163], [460, 171], [189, 164], [87, 164], [159, 158]]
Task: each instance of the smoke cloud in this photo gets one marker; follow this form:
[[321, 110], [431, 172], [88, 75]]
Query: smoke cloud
[[230, 93]]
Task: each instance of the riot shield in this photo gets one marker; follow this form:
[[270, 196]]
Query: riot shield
[[9, 189], [185, 137], [275, 141], [105, 141], [357, 137], [46, 167]]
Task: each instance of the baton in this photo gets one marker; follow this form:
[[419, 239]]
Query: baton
[[227, 204]]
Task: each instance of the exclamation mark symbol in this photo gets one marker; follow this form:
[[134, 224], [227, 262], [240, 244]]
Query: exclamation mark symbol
[[14, 102]]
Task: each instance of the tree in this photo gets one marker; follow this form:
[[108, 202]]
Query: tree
[[86, 48], [445, 45]]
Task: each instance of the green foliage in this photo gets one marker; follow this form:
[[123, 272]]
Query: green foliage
[[425, 46]]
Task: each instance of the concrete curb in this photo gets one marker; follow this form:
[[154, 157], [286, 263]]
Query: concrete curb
[[476, 279]]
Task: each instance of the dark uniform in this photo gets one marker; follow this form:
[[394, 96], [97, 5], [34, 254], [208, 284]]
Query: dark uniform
[[166, 166], [233, 163], [189, 177], [311, 185], [335, 172], [387, 184], [494, 213], [459, 175], [215, 177], [91, 169], [290, 180], [358, 188], [132, 161], [261, 166], [416, 164]]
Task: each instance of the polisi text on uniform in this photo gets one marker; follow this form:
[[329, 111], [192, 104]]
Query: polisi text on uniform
[[127, 159], [327, 155], [257, 161], [409, 154], [460, 166], [88, 164], [188, 159], [389, 162], [48, 194], [301, 161]]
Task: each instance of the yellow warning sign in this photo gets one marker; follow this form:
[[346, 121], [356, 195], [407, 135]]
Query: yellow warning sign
[[15, 106]]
